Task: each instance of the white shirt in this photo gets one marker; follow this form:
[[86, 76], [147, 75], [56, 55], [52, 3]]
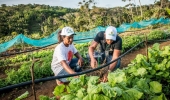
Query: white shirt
[[62, 52]]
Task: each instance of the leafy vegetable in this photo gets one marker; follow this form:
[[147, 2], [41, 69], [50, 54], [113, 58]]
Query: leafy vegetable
[[24, 95]]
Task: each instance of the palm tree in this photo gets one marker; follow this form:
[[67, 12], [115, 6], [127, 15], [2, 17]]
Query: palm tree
[[140, 8], [136, 7], [129, 5], [86, 11], [163, 3]]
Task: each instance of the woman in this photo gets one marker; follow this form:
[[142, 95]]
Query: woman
[[63, 62]]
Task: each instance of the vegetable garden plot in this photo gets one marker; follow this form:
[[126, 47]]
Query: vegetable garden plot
[[47, 87], [144, 79], [127, 40]]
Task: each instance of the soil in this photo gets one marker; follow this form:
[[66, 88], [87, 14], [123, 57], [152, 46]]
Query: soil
[[46, 88]]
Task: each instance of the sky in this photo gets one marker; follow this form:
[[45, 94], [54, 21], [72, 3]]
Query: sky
[[74, 3]]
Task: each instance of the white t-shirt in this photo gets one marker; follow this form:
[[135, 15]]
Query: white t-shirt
[[62, 52]]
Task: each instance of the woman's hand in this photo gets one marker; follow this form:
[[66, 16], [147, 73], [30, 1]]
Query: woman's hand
[[80, 62], [93, 63]]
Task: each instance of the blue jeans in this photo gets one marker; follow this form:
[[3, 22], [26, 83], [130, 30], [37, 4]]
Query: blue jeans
[[73, 65], [109, 58], [102, 56]]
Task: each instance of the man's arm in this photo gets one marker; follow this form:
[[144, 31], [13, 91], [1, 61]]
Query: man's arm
[[112, 65], [116, 54], [92, 47]]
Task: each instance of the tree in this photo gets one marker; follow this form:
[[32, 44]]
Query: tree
[[3, 5], [140, 8], [86, 11], [162, 3], [136, 7], [130, 6]]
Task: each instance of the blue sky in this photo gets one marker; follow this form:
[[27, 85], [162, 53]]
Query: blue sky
[[74, 3]]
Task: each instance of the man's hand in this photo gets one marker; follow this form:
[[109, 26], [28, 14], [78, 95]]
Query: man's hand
[[76, 76], [105, 77], [93, 63]]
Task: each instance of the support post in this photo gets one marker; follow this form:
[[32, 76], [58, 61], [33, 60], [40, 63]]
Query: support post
[[146, 46], [32, 75]]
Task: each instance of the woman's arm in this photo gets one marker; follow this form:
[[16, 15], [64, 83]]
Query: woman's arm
[[78, 55]]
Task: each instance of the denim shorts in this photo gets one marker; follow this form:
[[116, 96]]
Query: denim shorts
[[109, 58], [104, 56], [73, 65]]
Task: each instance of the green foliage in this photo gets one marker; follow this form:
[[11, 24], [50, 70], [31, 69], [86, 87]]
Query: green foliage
[[41, 67], [24, 95], [130, 41], [6, 38], [17, 19], [137, 18], [135, 82], [45, 19], [59, 89], [168, 11], [155, 87], [26, 57], [46, 98], [156, 35]]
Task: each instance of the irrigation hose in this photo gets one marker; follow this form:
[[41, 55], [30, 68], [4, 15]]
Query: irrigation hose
[[64, 76]]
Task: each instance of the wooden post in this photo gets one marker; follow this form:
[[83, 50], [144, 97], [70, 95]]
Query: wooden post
[[146, 46], [32, 75]]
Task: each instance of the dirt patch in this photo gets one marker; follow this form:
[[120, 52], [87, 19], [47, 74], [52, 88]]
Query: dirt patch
[[47, 88], [136, 32]]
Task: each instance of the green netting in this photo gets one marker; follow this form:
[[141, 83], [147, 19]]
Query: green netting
[[81, 37]]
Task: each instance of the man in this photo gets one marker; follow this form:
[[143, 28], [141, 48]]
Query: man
[[110, 45]]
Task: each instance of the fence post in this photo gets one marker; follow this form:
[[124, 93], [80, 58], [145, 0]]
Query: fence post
[[146, 46], [32, 75]]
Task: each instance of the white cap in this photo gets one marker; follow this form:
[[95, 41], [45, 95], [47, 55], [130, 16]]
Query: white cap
[[67, 31], [111, 33]]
